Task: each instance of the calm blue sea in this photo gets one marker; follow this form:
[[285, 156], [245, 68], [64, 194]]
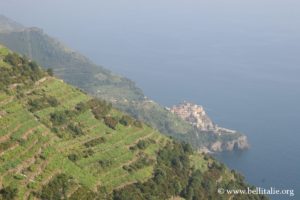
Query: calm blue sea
[[239, 59]]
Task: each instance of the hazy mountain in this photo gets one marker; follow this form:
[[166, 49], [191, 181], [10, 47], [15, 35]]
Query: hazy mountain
[[7, 25]]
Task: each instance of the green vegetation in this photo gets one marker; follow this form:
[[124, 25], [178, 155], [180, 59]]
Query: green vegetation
[[23, 73], [126, 120], [99, 108], [111, 122], [59, 135], [56, 188], [141, 162], [174, 176], [75, 129], [43, 102], [8, 193], [50, 72], [95, 142], [59, 118], [55, 129], [142, 144], [105, 163]]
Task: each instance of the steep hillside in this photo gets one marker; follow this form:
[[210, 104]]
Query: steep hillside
[[66, 63], [97, 81], [7, 25], [56, 142]]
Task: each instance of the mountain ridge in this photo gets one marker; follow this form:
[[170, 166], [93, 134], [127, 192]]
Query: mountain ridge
[[79, 71], [7, 25]]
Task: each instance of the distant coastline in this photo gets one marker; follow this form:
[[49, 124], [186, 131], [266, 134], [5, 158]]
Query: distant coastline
[[195, 115]]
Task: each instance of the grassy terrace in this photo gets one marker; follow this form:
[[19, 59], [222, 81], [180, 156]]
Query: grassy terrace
[[22, 140], [32, 154]]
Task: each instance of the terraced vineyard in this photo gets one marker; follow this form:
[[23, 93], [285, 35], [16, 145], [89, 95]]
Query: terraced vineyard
[[56, 142], [40, 152]]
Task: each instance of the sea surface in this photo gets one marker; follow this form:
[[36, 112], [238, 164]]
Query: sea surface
[[239, 59]]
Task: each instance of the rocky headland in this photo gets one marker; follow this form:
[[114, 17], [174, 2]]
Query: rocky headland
[[195, 115]]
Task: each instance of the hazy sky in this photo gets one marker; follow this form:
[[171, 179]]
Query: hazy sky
[[144, 39], [74, 21]]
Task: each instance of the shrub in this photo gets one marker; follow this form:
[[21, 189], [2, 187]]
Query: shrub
[[138, 124], [73, 157], [110, 122], [34, 66], [105, 163], [75, 130], [41, 103], [6, 145], [167, 180], [18, 176], [87, 153], [84, 193], [126, 120], [8, 193], [58, 118], [13, 59], [52, 101], [143, 161], [22, 71], [56, 188], [50, 71], [142, 144], [133, 148], [94, 142], [100, 108], [70, 113], [81, 107]]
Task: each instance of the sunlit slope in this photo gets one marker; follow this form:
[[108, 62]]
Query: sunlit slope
[[33, 151], [56, 142]]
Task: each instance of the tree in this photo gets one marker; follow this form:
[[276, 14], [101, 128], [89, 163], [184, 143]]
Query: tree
[[75, 130], [58, 118], [56, 188], [110, 122], [8, 193], [81, 107], [34, 66], [100, 108], [13, 59], [50, 71], [126, 120], [138, 124]]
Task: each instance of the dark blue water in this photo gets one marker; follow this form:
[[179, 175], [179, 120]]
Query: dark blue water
[[239, 59]]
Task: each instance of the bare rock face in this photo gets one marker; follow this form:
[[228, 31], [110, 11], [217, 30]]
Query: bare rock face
[[241, 143], [196, 115]]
